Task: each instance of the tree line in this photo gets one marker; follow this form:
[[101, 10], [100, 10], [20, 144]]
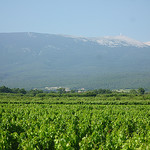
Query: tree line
[[62, 92]]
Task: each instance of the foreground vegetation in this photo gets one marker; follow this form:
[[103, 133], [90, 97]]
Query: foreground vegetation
[[104, 121], [74, 127]]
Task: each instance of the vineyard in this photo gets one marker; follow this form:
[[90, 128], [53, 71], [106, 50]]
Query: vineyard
[[66, 123]]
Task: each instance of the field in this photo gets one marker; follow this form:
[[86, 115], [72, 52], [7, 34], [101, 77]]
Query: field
[[103, 122]]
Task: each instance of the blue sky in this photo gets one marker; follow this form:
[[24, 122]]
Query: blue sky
[[91, 18]]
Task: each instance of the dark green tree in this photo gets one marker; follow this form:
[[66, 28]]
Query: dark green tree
[[23, 91], [141, 91], [61, 90], [5, 89], [15, 90]]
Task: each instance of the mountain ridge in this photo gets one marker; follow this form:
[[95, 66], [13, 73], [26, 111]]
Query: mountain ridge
[[110, 40], [101, 40]]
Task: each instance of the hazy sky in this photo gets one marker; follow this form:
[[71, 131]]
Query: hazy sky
[[92, 18]]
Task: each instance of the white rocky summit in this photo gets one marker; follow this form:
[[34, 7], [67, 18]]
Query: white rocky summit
[[113, 41], [147, 43]]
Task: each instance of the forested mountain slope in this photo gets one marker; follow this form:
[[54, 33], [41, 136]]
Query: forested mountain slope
[[32, 60]]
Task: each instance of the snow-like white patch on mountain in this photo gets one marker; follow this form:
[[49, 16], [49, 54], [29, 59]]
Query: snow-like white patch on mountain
[[117, 41], [112, 41], [147, 43]]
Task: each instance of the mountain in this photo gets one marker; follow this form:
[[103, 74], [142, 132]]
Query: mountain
[[35, 60]]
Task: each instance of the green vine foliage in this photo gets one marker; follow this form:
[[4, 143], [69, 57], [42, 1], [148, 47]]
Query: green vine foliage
[[73, 127]]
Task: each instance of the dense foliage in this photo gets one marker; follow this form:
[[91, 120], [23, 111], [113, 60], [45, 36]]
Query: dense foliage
[[5, 89], [33, 126], [111, 121]]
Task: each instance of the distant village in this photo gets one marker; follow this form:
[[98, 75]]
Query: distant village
[[65, 88]]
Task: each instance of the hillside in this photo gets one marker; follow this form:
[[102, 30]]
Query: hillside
[[34, 60]]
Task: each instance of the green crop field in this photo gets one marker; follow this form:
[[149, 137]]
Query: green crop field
[[66, 123]]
